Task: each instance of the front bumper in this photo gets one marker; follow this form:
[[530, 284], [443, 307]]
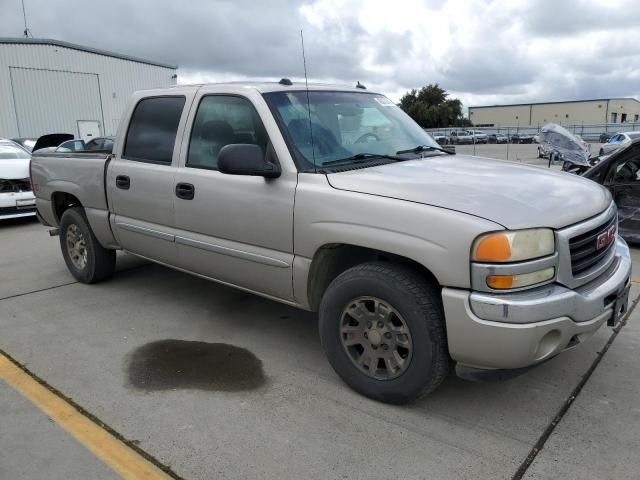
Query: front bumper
[[18, 204], [517, 330]]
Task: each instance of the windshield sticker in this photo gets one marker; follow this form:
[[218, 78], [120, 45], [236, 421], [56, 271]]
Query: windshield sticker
[[384, 101]]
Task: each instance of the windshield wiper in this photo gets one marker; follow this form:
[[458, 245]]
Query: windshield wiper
[[360, 158], [424, 148]]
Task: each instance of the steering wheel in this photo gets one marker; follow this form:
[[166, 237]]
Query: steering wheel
[[365, 135]]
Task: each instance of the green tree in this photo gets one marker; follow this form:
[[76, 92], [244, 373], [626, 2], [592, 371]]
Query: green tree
[[430, 107]]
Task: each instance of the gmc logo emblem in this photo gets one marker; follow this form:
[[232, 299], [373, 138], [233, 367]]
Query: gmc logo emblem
[[605, 238]]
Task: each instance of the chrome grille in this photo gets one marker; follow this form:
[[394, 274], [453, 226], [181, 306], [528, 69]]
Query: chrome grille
[[584, 248]]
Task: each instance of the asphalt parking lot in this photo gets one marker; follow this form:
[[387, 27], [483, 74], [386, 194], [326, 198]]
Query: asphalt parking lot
[[211, 382]]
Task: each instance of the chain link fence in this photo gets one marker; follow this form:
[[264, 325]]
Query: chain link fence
[[594, 133]]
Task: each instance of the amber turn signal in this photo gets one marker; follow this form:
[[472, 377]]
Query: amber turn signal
[[493, 248], [504, 282]]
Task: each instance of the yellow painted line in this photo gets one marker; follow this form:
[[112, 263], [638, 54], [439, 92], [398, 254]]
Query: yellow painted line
[[635, 282], [125, 461]]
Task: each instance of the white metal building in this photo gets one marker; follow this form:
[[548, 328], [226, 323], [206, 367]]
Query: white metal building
[[48, 86]]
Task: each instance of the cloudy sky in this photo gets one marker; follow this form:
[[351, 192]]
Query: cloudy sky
[[483, 51]]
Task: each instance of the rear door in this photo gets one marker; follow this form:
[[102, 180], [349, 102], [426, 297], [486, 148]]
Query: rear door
[[140, 180]]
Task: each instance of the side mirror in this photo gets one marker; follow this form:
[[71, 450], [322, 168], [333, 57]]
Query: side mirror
[[246, 159]]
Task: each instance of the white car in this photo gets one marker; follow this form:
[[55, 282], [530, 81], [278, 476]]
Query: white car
[[16, 196], [618, 141]]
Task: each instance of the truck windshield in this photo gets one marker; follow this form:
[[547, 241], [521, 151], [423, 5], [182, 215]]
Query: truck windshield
[[335, 126]]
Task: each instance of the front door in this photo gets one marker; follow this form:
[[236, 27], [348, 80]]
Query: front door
[[235, 229], [141, 177], [88, 129]]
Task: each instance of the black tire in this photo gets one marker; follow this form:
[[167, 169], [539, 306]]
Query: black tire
[[418, 302], [100, 263], [601, 152]]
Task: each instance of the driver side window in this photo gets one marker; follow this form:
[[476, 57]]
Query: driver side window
[[223, 120]]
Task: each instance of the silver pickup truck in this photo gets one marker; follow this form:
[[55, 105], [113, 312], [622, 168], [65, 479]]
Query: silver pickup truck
[[333, 200]]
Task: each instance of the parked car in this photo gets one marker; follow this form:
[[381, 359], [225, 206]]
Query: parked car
[[440, 137], [479, 137], [618, 141], [620, 173], [521, 138], [497, 138], [99, 144], [412, 258], [544, 149], [71, 146], [16, 195], [604, 137], [461, 137], [27, 143]]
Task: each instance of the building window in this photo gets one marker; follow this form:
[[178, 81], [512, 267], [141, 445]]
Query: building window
[[623, 118], [636, 117], [614, 117]]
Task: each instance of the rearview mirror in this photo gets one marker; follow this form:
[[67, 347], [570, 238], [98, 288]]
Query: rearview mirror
[[246, 159]]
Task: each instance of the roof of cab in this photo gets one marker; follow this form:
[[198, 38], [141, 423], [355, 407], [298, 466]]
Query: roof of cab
[[267, 87]]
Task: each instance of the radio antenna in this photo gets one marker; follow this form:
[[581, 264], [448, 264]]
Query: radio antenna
[[26, 32], [306, 85]]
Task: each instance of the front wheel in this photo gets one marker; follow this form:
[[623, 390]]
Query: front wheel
[[86, 259], [382, 328]]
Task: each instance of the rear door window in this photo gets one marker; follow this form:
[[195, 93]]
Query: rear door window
[[153, 129]]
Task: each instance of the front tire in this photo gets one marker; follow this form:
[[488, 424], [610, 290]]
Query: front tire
[[86, 259], [382, 328]]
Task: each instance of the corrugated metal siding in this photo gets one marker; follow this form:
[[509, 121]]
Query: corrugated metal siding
[[116, 80], [38, 93]]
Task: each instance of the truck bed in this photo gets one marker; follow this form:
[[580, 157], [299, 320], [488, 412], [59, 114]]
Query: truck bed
[[80, 175]]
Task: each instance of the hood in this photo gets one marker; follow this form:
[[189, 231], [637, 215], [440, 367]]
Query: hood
[[513, 195], [51, 140], [14, 169]]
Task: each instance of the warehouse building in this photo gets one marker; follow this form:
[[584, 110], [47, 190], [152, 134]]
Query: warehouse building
[[48, 86], [603, 110]]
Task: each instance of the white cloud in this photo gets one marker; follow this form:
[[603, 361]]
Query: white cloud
[[482, 51]]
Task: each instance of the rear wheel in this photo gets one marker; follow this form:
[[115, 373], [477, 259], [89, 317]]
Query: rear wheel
[[382, 328], [86, 259]]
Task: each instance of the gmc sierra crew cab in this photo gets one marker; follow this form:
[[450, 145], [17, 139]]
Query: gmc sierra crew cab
[[333, 200]]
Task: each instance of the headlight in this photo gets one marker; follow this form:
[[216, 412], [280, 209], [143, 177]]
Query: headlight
[[513, 246]]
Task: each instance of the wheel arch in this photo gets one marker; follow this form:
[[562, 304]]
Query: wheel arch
[[330, 260], [62, 201]]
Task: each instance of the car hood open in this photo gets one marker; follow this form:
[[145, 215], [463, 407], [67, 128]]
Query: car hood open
[[513, 195]]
